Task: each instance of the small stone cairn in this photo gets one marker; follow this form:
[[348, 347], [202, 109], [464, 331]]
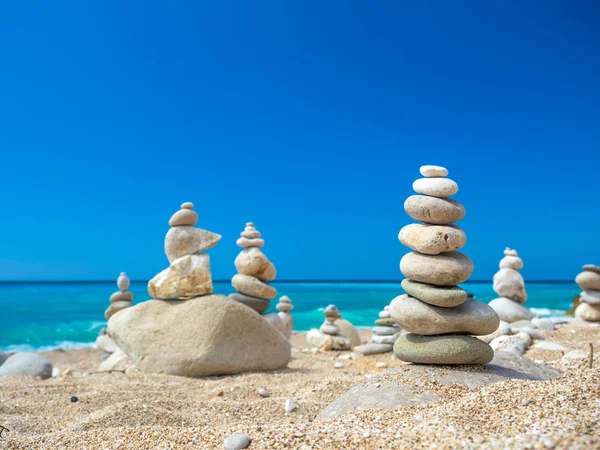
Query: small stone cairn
[[510, 286], [254, 271], [385, 331], [283, 320], [438, 315], [188, 275], [589, 282], [328, 336], [119, 301]]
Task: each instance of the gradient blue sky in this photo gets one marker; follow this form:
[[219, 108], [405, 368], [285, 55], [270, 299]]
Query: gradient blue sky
[[309, 118]]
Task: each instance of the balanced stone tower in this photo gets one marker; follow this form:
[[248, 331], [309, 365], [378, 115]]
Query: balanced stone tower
[[328, 336], [118, 301], [510, 286], [385, 331], [254, 271], [589, 282], [438, 315], [189, 274], [186, 329]]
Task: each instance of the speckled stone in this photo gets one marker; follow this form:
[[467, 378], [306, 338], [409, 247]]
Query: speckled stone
[[253, 287], [447, 269], [432, 239], [446, 297], [445, 349], [435, 187], [433, 171], [257, 304], [433, 210]]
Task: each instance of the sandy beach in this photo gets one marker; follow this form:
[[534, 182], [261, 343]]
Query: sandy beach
[[152, 411]]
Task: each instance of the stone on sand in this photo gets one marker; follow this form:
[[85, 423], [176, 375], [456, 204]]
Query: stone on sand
[[442, 349], [373, 349], [432, 239], [26, 364], [186, 277], [224, 337], [543, 324], [402, 387], [446, 297], [415, 316], [348, 330], [510, 311], [236, 441], [117, 361]]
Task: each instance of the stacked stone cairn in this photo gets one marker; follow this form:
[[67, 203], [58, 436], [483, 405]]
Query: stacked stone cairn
[[385, 333], [438, 315], [328, 336], [118, 301], [188, 275], [185, 329], [254, 271], [283, 320], [589, 282], [510, 286]]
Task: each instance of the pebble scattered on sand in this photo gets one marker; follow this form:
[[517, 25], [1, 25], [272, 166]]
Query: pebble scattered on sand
[[236, 441], [289, 406], [264, 393]]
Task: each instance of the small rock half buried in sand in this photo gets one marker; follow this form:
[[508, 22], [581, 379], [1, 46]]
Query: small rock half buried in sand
[[289, 406], [236, 441]]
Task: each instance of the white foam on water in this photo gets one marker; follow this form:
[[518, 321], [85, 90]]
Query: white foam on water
[[550, 313], [63, 345]]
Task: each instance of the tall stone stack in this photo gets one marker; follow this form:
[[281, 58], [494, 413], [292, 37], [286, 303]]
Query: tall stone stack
[[438, 315], [589, 282], [510, 286], [254, 272], [118, 301], [188, 275], [285, 314]]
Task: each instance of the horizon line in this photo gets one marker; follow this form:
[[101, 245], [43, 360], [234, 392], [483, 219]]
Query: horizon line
[[274, 281]]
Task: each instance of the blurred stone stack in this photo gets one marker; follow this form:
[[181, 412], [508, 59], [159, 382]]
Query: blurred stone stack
[[589, 282]]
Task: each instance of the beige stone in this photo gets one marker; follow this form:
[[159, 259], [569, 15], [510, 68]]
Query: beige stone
[[187, 240], [446, 297], [120, 296], [590, 297], [502, 330], [446, 269], [591, 268], [415, 316], [433, 210], [211, 335], [432, 239], [587, 312], [252, 262], [348, 330], [257, 304], [433, 171], [511, 262], [588, 280], [446, 349], [117, 361], [509, 310], [247, 243], [253, 287], [115, 308], [123, 282], [510, 284], [184, 217], [435, 187], [188, 276]]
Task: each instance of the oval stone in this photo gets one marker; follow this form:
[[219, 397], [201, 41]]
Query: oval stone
[[433, 171], [447, 349], [591, 268], [251, 261], [123, 282], [183, 217], [432, 239], [589, 313], [510, 284], [257, 304], [509, 310], [415, 316], [438, 211], [435, 187], [447, 269], [121, 296], [446, 297], [115, 308], [590, 297], [511, 262], [253, 287], [187, 240], [588, 280]]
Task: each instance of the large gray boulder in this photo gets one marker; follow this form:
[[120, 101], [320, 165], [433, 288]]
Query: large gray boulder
[[26, 364], [403, 386], [203, 336]]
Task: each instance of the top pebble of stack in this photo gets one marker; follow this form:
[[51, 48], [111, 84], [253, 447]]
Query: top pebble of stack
[[185, 216], [433, 171]]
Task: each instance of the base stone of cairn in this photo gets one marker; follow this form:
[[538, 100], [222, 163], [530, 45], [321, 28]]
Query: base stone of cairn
[[589, 282], [328, 336], [185, 330], [385, 333], [254, 271], [510, 286], [438, 315], [118, 301]]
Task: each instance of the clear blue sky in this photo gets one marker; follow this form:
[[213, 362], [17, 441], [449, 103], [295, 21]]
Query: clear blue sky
[[309, 118]]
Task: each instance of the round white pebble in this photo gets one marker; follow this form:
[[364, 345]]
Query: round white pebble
[[433, 171]]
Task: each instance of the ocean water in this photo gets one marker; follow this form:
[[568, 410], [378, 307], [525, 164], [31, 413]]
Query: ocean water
[[45, 316]]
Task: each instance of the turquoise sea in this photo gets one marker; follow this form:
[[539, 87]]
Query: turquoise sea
[[44, 316]]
